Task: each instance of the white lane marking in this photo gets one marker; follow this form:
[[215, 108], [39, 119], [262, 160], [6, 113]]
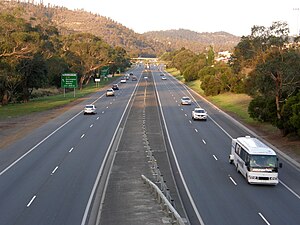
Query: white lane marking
[[215, 157], [107, 107], [287, 187], [110, 103], [91, 125], [177, 163], [53, 171], [266, 221], [203, 141], [190, 121], [71, 149], [82, 136], [185, 114], [98, 118], [181, 109], [38, 144], [232, 180], [196, 130], [176, 101], [102, 112], [30, 202]]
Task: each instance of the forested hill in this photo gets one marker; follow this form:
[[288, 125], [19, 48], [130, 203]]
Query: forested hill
[[194, 41], [116, 34]]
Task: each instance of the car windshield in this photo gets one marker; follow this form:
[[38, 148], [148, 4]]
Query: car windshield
[[263, 161], [199, 111], [89, 107], [185, 98]]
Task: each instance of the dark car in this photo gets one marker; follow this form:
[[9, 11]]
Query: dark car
[[134, 78], [115, 87]]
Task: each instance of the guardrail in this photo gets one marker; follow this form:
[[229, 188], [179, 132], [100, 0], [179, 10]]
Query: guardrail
[[164, 202]]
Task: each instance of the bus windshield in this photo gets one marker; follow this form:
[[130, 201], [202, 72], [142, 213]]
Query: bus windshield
[[263, 161]]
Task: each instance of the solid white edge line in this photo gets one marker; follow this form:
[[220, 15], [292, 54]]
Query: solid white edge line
[[176, 162], [264, 219], [38, 144], [215, 157], [289, 189], [288, 159], [71, 149], [82, 136], [87, 209]]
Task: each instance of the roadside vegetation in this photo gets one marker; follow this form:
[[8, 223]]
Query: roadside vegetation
[[34, 56], [50, 101], [260, 82]]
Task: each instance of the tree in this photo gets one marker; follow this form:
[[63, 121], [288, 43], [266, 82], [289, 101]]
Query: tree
[[85, 54], [277, 77], [33, 74]]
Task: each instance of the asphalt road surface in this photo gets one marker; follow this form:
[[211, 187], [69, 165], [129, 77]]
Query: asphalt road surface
[[48, 177]]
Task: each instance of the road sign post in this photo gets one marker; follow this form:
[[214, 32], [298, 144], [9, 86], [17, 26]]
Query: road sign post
[[69, 80]]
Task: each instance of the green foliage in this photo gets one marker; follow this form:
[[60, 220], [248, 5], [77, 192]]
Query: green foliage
[[263, 109], [36, 56], [290, 122]]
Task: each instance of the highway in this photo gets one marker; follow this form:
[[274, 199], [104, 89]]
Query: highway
[[218, 193], [48, 177]]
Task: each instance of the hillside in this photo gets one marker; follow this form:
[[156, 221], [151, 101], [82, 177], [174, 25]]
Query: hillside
[[194, 41], [114, 33]]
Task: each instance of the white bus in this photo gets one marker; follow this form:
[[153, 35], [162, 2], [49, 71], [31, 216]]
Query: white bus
[[254, 160]]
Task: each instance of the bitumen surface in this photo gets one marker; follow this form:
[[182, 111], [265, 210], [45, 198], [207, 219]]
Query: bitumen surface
[[128, 200]]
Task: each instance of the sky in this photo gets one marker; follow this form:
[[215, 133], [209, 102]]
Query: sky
[[233, 16]]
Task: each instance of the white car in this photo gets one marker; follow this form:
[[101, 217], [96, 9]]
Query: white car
[[199, 114], [186, 100], [163, 78], [89, 109], [123, 80], [110, 92]]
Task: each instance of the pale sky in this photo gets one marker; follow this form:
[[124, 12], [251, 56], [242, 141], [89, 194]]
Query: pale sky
[[233, 16]]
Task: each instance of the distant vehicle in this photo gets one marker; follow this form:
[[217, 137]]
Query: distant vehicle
[[127, 77], [115, 87], [110, 92], [162, 74], [89, 109], [257, 162], [134, 78], [123, 80], [199, 114], [164, 78], [186, 100], [130, 74]]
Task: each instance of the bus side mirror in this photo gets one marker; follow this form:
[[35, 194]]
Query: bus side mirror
[[280, 165]]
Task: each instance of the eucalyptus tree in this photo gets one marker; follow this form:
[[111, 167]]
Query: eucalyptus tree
[[18, 41], [85, 54]]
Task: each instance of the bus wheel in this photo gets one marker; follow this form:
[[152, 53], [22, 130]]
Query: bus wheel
[[237, 168]]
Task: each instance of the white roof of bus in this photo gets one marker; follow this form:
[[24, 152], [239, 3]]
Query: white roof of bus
[[255, 146]]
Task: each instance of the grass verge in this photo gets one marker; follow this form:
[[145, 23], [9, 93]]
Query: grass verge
[[49, 102]]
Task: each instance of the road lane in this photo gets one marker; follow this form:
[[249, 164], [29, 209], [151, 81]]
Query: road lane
[[52, 183], [219, 192]]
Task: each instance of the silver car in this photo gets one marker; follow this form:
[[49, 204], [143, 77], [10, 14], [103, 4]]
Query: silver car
[[186, 100], [110, 92]]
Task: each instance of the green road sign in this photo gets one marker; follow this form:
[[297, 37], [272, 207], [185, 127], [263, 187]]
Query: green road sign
[[69, 80]]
